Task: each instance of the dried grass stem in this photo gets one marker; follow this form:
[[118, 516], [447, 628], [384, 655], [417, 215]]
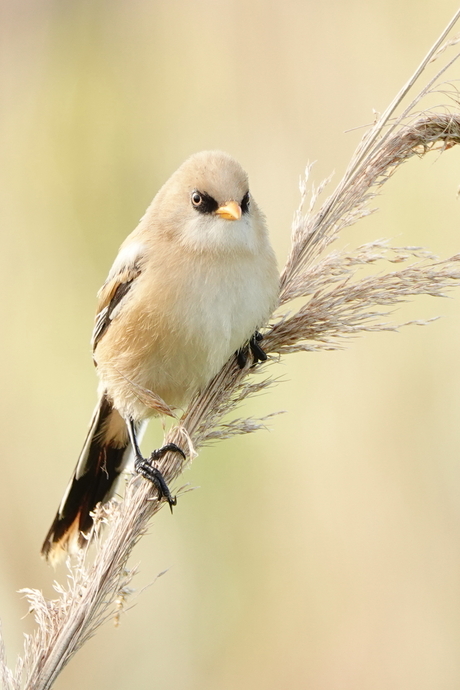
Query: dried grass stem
[[336, 304]]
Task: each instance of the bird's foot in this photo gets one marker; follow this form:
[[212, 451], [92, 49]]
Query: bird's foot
[[258, 354], [147, 469]]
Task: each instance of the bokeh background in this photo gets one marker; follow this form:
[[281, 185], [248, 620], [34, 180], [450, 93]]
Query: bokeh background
[[325, 553]]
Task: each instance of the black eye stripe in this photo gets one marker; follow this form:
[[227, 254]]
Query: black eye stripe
[[245, 203], [202, 202]]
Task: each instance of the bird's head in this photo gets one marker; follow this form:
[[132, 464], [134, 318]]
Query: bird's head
[[206, 206]]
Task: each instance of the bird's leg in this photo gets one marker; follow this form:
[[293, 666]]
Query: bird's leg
[[257, 352], [147, 469]]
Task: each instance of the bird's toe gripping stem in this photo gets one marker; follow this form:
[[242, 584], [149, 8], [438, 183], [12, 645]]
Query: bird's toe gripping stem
[[146, 468], [257, 352]]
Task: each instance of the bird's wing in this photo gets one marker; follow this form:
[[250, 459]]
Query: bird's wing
[[126, 269]]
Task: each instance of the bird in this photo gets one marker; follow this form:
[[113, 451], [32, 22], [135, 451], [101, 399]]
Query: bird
[[190, 287]]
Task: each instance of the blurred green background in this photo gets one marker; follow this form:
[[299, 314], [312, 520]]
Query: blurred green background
[[323, 554]]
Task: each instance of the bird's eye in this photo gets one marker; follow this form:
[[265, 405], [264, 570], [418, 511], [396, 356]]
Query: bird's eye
[[197, 199], [203, 202], [245, 203]]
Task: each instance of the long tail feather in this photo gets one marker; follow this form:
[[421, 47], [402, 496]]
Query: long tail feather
[[104, 455]]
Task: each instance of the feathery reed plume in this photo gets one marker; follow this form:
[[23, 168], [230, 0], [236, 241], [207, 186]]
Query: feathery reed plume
[[336, 305]]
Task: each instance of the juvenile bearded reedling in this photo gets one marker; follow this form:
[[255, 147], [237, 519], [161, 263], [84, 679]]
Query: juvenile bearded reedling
[[189, 288]]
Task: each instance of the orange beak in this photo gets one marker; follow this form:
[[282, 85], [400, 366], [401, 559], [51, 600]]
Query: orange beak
[[231, 211]]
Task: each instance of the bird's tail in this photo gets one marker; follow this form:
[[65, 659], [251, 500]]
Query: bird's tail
[[104, 455]]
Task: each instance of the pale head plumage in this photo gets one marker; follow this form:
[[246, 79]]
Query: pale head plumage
[[222, 179]]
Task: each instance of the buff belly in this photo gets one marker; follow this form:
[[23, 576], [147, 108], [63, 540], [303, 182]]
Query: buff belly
[[175, 351]]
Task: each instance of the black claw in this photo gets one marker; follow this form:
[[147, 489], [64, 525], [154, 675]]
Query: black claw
[[153, 474], [159, 452], [242, 357], [257, 352]]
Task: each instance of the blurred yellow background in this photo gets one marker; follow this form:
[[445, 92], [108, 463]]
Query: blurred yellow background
[[324, 554]]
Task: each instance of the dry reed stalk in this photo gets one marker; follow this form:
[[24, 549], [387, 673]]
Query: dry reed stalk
[[336, 305]]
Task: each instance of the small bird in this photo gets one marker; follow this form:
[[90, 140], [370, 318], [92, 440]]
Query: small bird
[[191, 286]]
